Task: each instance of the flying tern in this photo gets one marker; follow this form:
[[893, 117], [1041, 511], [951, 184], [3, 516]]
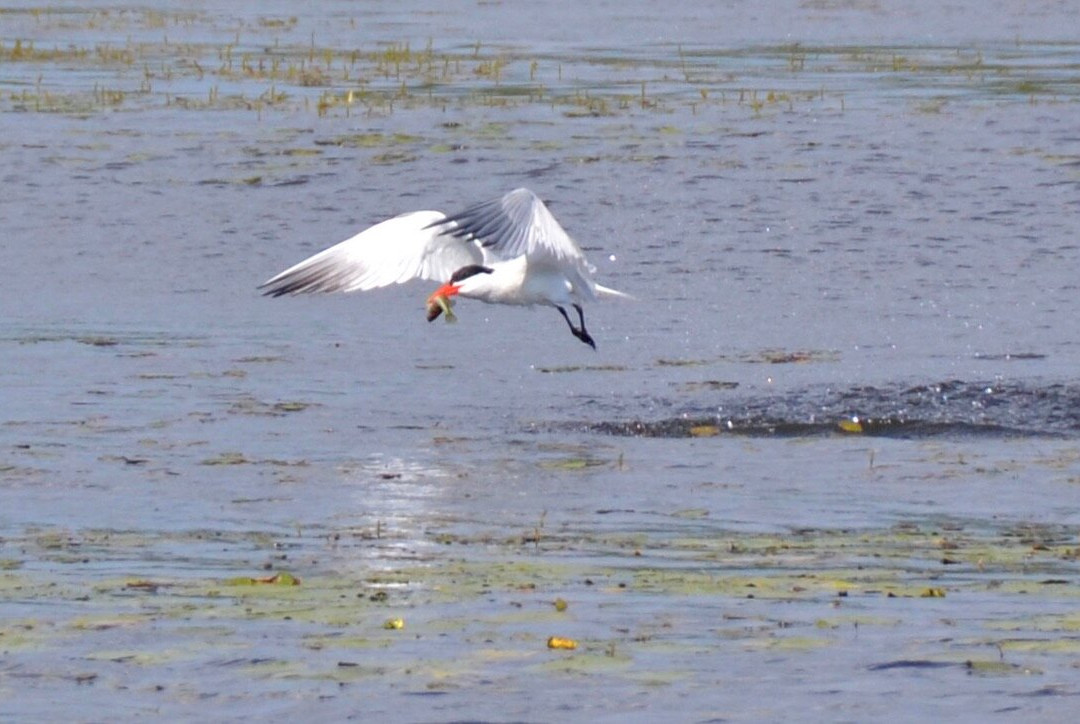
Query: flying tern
[[510, 250]]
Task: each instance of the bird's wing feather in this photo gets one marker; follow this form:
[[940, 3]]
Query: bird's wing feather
[[519, 224], [406, 247]]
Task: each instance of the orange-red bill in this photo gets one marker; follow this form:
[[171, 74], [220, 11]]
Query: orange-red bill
[[446, 290]]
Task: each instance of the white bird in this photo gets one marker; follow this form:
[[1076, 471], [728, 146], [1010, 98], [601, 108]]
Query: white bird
[[510, 250]]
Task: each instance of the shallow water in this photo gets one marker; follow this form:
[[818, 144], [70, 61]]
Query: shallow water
[[847, 386]]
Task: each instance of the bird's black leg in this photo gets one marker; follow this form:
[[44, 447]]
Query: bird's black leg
[[567, 318], [580, 316], [581, 334]]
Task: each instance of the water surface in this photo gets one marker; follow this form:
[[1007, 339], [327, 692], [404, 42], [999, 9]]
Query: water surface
[[825, 466]]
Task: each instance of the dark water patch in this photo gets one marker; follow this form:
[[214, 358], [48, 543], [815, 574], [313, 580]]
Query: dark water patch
[[1051, 690], [971, 666], [114, 338], [913, 664], [954, 409], [710, 385], [581, 368], [909, 429], [1006, 357]]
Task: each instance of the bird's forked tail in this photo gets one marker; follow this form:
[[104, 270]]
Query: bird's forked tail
[[602, 291]]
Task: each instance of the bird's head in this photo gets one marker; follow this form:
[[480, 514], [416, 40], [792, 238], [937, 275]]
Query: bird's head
[[462, 280]]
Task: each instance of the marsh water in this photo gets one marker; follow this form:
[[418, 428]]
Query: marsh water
[[825, 466]]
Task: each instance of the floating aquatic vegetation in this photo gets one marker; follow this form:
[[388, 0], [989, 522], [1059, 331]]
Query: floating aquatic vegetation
[[228, 458], [574, 463], [247, 405], [99, 341], [559, 642], [480, 606], [283, 578], [271, 63]]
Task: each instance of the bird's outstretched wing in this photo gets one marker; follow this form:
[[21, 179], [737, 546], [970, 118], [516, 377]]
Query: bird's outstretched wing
[[519, 224], [406, 247]]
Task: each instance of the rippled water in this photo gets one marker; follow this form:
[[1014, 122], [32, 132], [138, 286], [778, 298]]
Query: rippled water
[[847, 383], [953, 410]]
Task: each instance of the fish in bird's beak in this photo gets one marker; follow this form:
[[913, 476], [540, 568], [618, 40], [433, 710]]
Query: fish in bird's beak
[[439, 303]]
